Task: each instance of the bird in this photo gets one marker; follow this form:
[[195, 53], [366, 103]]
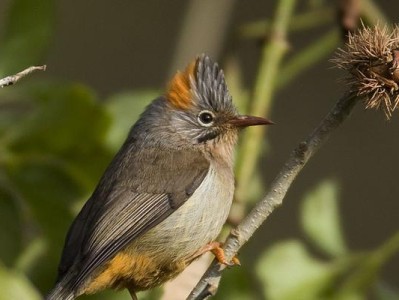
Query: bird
[[165, 196]]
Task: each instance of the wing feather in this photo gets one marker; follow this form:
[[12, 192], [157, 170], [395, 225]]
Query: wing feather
[[138, 191], [138, 213]]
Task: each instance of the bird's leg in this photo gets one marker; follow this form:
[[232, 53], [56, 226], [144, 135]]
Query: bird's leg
[[218, 252], [132, 294]]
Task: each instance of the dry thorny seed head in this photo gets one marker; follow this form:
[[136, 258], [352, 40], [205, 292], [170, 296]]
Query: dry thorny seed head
[[371, 56]]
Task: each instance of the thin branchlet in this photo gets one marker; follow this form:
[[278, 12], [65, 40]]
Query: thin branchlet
[[10, 80]]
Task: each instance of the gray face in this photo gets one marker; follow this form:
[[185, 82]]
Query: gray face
[[203, 124], [212, 107], [195, 112]]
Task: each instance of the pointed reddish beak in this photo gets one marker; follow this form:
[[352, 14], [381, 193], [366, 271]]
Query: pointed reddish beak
[[244, 121]]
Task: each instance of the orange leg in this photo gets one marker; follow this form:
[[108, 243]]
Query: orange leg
[[217, 250]]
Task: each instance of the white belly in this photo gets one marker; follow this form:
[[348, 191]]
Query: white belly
[[198, 221]]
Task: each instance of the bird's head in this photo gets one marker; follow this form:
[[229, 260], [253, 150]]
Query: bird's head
[[197, 110]]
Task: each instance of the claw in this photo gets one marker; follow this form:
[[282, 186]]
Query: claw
[[236, 261], [218, 252]]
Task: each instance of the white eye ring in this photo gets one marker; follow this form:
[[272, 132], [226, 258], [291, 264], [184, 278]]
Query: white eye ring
[[206, 118]]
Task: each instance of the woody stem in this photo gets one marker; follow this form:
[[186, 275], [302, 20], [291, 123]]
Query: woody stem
[[12, 79]]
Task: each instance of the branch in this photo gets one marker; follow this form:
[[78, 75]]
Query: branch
[[208, 284], [299, 22], [10, 80], [271, 58]]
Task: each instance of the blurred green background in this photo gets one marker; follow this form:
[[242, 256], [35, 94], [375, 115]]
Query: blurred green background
[[336, 235]]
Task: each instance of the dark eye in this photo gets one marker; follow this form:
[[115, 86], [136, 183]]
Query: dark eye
[[206, 118]]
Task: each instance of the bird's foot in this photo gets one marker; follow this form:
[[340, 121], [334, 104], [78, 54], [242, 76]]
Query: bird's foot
[[218, 252]]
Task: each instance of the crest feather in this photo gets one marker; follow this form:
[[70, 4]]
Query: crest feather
[[201, 84], [179, 89], [210, 86]]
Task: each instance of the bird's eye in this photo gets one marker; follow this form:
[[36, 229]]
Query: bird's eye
[[206, 118]]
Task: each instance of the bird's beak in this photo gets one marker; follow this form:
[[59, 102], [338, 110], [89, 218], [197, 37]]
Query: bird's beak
[[244, 121]]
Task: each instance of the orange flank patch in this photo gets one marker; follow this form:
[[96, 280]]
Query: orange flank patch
[[179, 90], [106, 279], [134, 270]]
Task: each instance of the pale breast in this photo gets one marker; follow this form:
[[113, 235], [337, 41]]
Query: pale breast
[[197, 222]]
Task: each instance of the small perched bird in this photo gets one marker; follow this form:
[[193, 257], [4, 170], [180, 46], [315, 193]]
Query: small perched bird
[[165, 196]]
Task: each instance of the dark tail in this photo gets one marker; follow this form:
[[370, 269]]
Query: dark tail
[[60, 292]]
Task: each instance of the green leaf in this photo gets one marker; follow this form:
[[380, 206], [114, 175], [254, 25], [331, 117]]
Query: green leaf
[[386, 292], [66, 128], [10, 225], [48, 193], [347, 296], [321, 221], [108, 295], [290, 273], [153, 294], [28, 29], [236, 284], [64, 117], [125, 108], [29, 257], [13, 107], [54, 157], [14, 285], [365, 276]]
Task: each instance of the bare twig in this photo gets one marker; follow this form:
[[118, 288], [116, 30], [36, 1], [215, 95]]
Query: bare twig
[[208, 284], [10, 80]]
